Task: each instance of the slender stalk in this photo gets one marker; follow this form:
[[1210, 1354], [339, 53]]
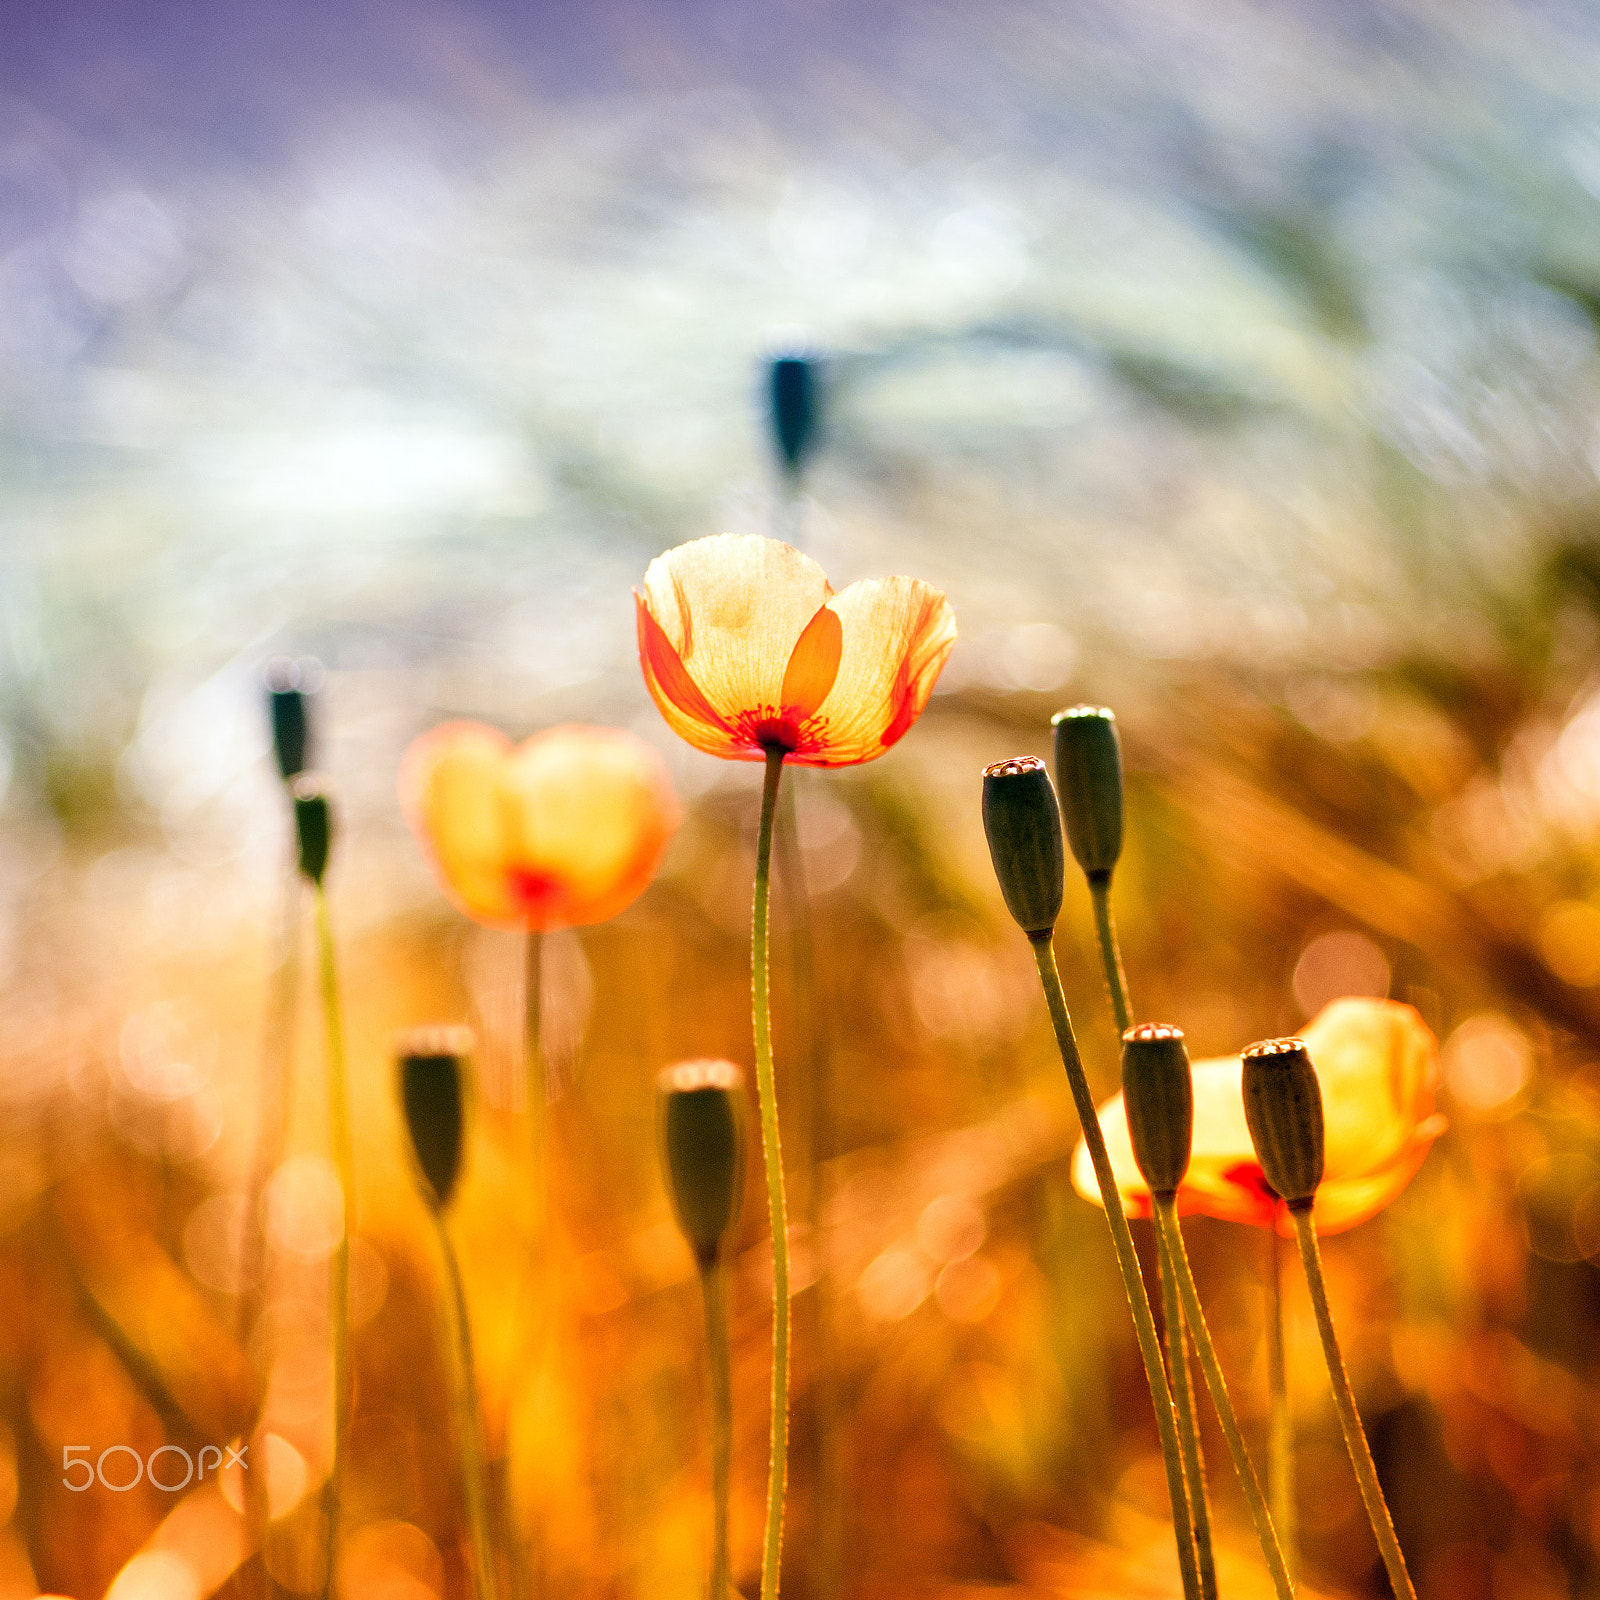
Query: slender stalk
[[773, 1154], [527, 1571], [714, 1289], [468, 1425], [1280, 1447], [1194, 1468], [1167, 1226], [827, 1519], [344, 1162], [1110, 956], [276, 1068], [1127, 1260], [1344, 1399], [1194, 1471]]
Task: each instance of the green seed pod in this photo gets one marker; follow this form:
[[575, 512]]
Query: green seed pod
[[313, 823], [1283, 1107], [431, 1072], [1089, 777], [1159, 1097], [702, 1149], [1023, 824]]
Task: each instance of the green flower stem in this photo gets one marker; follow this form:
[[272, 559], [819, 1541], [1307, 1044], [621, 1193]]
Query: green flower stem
[[1355, 1436], [344, 1162], [1110, 956], [469, 1428], [533, 1044], [773, 1155], [1194, 1471], [1194, 1467], [1167, 1226], [1280, 1447], [1127, 1260], [527, 1572], [714, 1288]]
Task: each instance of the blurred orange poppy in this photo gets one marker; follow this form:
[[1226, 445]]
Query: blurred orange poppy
[[565, 829], [1378, 1064], [746, 647]]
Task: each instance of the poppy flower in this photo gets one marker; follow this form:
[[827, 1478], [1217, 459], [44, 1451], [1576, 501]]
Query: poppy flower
[[565, 829], [1378, 1065], [745, 648]]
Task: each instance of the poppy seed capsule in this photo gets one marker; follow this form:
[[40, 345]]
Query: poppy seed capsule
[[1023, 824], [431, 1071], [313, 826], [1159, 1097], [702, 1148], [1089, 777], [1283, 1110], [795, 408]]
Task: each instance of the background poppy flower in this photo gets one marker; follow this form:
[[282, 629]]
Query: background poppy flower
[[565, 829], [1378, 1065], [745, 646]]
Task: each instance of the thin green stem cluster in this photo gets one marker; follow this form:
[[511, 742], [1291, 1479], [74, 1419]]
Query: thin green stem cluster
[[1172, 1237], [1127, 1260], [1355, 1436], [772, 1153]]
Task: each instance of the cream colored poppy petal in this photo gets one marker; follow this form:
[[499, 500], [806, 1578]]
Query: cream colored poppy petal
[[897, 634], [733, 606]]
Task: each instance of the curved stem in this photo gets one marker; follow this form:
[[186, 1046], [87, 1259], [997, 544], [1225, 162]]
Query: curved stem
[[1110, 956], [1167, 1223], [773, 1154], [1355, 1436], [714, 1289], [468, 1426], [1280, 1447], [1127, 1260], [344, 1162], [1194, 1467]]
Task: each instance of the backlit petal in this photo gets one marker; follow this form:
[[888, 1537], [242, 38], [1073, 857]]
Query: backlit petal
[[733, 607], [813, 666], [677, 696], [897, 633]]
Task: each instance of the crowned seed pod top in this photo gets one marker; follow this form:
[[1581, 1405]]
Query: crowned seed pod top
[[431, 1069], [1159, 1097], [702, 1148], [313, 822], [1283, 1109], [1023, 824], [1089, 776]]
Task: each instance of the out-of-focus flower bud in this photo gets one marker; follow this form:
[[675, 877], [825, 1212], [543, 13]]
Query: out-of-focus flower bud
[[1157, 1091], [291, 723], [794, 397], [431, 1068], [702, 1149], [313, 824], [1283, 1109], [1089, 776], [1023, 824]]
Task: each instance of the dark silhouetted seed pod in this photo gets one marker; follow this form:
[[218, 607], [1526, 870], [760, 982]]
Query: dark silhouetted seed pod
[[1023, 824], [288, 708], [1089, 777], [313, 823], [794, 397], [432, 1067], [1283, 1108], [702, 1149], [1159, 1097]]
